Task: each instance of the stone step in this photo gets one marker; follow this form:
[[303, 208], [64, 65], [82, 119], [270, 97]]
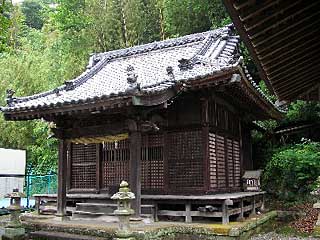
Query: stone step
[[39, 235], [82, 215], [96, 207], [53, 209]]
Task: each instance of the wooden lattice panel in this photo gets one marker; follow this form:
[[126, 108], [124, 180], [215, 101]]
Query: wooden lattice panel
[[230, 163], [152, 161], [213, 161], [237, 166], [115, 163], [221, 162], [220, 150], [185, 160], [83, 166]]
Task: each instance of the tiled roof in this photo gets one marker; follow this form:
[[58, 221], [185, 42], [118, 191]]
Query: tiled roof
[[155, 66], [142, 70]]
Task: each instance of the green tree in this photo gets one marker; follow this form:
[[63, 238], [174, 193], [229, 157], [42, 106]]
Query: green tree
[[70, 16], [5, 22], [33, 12], [56, 46], [189, 16], [134, 21], [105, 25], [291, 172]]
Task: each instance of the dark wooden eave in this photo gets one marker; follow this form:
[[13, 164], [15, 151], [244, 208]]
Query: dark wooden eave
[[112, 105], [283, 39]]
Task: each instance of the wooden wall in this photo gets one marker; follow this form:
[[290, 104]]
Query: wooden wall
[[197, 151]]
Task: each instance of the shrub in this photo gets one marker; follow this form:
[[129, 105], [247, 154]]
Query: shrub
[[292, 171]]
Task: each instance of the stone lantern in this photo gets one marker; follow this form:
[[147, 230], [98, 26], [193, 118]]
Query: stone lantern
[[124, 211], [15, 207], [13, 229]]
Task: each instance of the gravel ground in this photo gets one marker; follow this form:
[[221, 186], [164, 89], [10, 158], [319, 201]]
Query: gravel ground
[[275, 236]]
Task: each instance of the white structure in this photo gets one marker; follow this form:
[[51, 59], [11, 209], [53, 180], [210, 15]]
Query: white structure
[[12, 170]]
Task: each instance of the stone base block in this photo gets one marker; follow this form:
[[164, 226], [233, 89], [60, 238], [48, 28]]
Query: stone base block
[[13, 234]]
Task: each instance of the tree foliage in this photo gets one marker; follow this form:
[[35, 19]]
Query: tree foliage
[[4, 24], [45, 42], [292, 170], [32, 11]]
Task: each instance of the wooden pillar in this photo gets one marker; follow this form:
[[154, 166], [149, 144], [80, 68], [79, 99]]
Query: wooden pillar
[[262, 203], [205, 135], [135, 168], [253, 210], [188, 212], [240, 217], [62, 173], [225, 214]]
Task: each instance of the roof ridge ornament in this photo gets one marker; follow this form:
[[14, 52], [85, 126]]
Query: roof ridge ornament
[[57, 91], [69, 85], [93, 60], [185, 64], [132, 80], [10, 98]]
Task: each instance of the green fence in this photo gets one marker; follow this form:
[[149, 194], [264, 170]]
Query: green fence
[[40, 184]]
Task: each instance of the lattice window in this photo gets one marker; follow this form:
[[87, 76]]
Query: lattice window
[[185, 160], [152, 170], [230, 163], [115, 163], [237, 166], [213, 161], [220, 150], [234, 163], [221, 162], [83, 165]]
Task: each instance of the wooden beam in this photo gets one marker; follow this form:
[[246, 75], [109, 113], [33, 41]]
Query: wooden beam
[[298, 41], [303, 72], [62, 173], [282, 66], [290, 54], [297, 91], [135, 165], [296, 80], [238, 24], [308, 38], [257, 10], [286, 34], [92, 131], [243, 4], [271, 17], [278, 23]]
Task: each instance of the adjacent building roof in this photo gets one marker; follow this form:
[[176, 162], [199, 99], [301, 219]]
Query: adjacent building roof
[[143, 75], [283, 39]]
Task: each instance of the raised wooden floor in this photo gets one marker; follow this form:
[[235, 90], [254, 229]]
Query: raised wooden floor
[[191, 208]]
